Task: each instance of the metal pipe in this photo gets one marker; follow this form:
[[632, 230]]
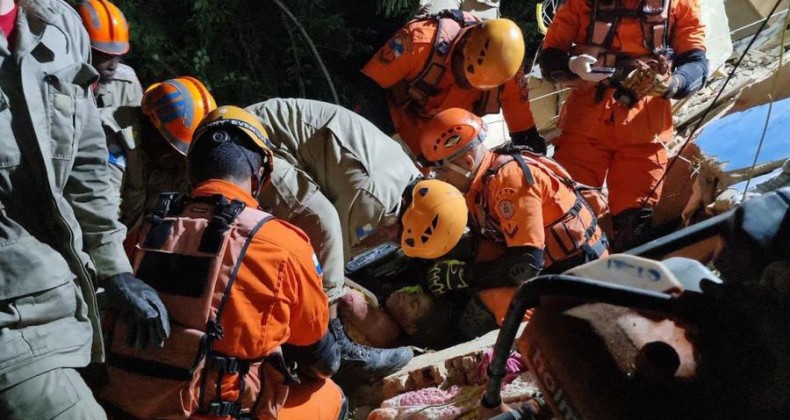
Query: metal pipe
[[528, 296], [662, 246]]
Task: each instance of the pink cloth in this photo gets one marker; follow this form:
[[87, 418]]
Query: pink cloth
[[513, 366]]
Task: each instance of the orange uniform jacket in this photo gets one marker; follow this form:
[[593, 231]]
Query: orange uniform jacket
[[278, 295], [403, 58], [504, 202], [652, 116], [509, 210]]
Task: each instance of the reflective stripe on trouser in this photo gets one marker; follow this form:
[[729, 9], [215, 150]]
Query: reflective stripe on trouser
[[56, 394], [294, 197], [631, 169]]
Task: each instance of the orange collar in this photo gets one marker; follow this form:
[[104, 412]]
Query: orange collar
[[477, 181], [227, 189]]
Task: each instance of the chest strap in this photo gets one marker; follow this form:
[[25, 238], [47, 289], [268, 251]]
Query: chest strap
[[653, 16], [416, 92]]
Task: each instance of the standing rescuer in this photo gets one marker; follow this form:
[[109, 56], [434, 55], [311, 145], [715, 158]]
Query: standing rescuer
[[624, 60], [171, 111], [523, 202], [118, 92], [452, 60], [60, 235], [240, 285]]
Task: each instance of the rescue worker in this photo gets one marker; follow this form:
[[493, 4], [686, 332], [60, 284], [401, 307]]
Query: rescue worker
[[60, 236], [171, 111], [524, 203], [452, 60], [614, 125], [339, 179], [240, 285], [118, 92]]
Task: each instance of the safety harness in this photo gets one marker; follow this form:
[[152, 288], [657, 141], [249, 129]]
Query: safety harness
[[607, 14], [575, 232], [191, 253], [414, 94]]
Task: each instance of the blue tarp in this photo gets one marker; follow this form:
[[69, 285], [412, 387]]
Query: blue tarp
[[734, 138]]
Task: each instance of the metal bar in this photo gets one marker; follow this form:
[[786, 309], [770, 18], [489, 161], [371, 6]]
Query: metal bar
[[678, 240]]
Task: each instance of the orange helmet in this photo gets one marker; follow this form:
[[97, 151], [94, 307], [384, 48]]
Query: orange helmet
[[233, 116], [435, 220], [176, 107], [450, 134], [493, 53], [106, 26]]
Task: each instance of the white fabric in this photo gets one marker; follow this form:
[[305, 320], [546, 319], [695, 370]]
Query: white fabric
[[582, 66]]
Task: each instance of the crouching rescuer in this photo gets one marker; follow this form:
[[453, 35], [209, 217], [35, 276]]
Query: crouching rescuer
[[239, 286]]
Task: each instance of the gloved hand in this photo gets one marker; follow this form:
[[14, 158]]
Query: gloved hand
[[141, 310], [446, 275], [581, 65], [649, 79]]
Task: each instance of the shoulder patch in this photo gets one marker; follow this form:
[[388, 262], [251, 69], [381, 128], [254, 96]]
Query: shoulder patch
[[317, 264], [365, 231], [395, 48]]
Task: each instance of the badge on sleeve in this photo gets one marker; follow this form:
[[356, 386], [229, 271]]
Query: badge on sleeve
[[506, 209], [394, 49]]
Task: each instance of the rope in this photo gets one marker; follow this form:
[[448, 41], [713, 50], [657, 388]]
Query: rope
[[770, 107], [713, 104]]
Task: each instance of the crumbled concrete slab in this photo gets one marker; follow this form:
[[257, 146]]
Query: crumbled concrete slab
[[440, 368]]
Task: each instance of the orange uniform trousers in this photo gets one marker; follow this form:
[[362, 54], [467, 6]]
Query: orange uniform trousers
[[631, 169], [320, 400]]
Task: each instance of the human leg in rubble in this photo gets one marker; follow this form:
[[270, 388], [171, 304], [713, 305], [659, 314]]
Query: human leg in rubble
[[295, 197]]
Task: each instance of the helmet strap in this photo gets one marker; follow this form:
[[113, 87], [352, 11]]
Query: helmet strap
[[258, 178], [466, 173]]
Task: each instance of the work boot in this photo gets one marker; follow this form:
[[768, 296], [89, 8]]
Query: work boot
[[368, 360]]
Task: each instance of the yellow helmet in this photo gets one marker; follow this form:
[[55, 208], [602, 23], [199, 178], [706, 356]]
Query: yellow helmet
[[493, 53], [233, 116], [435, 220]]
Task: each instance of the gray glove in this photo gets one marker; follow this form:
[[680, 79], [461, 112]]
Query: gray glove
[[141, 310]]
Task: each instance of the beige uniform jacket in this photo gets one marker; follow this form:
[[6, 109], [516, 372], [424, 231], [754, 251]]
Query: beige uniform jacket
[[118, 101], [328, 156], [58, 227]]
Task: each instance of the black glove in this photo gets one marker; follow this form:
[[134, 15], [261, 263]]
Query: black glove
[[531, 139], [445, 276], [141, 310]]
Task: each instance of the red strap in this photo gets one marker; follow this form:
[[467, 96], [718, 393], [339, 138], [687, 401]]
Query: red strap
[[8, 25]]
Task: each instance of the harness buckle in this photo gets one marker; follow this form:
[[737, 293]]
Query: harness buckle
[[223, 408]]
